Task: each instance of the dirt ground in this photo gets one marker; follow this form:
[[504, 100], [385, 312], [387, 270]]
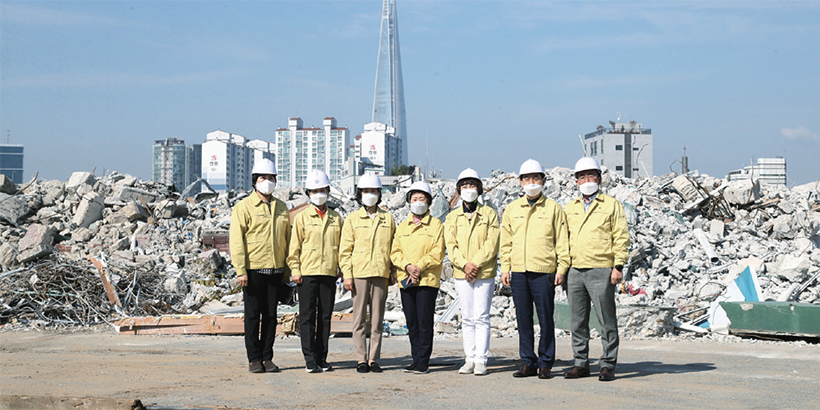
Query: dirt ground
[[103, 370]]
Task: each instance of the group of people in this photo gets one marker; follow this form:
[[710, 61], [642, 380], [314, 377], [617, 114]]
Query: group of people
[[539, 245]]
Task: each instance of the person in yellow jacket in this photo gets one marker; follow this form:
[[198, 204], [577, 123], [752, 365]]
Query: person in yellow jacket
[[364, 257], [471, 234], [418, 251], [599, 247], [534, 258], [259, 234], [314, 263]]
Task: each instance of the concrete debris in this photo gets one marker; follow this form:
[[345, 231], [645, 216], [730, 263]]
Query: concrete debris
[[165, 254], [6, 185]]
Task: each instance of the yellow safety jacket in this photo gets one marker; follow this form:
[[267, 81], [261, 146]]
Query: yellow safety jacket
[[259, 234], [314, 243], [473, 240], [364, 251], [534, 238], [421, 245], [599, 237]]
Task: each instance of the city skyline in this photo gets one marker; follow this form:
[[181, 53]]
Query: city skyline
[[87, 85]]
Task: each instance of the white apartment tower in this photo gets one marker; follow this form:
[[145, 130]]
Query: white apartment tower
[[624, 148], [301, 149], [227, 160], [771, 171]]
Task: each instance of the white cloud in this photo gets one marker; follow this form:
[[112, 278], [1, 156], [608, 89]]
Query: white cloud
[[798, 133]]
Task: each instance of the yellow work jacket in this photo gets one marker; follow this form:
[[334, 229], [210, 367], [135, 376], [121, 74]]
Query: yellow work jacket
[[364, 251], [259, 234], [421, 245], [314, 243], [473, 240], [534, 238], [599, 237]]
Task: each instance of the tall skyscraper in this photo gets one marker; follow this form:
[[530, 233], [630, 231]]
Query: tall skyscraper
[[388, 98], [11, 162], [176, 163], [301, 149], [625, 148]]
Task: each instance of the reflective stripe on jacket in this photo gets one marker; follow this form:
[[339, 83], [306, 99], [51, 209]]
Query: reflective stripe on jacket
[[421, 245], [259, 234], [364, 251], [314, 243], [473, 240], [534, 238], [599, 237]]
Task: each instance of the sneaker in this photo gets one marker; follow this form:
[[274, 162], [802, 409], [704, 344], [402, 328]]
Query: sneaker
[[270, 367], [409, 369], [421, 369], [362, 367], [467, 368], [326, 367], [480, 369], [375, 368], [256, 367], [311, 367]]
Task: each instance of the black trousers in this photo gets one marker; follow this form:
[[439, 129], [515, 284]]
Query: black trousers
[[419, 306], [261, 300], [316, 296]]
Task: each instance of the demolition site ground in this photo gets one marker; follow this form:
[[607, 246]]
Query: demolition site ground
[[103, 370]]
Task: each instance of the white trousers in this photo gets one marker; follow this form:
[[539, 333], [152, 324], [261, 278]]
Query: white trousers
[[476, 298]]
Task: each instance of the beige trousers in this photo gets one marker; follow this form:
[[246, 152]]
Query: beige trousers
[[372, 293]]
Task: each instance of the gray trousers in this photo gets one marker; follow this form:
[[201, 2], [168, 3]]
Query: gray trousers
[[585, 286]]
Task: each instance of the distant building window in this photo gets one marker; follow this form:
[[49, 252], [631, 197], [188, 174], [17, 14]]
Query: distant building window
[[635, 169], [635, 149], [619, 168], [619, 148]]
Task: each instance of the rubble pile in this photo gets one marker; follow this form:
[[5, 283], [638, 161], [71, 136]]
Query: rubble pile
[[165, 253]]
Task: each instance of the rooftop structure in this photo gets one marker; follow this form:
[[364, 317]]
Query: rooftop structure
[[624, 148]]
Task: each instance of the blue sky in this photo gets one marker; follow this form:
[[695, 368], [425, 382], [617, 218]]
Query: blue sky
[[92, 84]]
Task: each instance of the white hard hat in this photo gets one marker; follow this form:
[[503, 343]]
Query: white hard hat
[[420, 186], [531, 166], [316, 179], [369, 180], [469, 173], [586, 164], [264, 167]]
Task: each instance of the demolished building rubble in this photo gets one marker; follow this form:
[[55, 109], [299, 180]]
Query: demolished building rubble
[[164, 254]]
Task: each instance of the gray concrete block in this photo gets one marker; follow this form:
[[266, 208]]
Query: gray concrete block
[[13, 208], [7, 185], [126, 193], [89, 211], [742, 192], [134, 211], [79, 180], [34, 253], [36, 235]]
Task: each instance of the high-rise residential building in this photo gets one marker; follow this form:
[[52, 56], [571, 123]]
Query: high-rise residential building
[[388, 97], [227, 160], [175, 163], [625, 148], [768, 170], [301, 149], [11, 162]]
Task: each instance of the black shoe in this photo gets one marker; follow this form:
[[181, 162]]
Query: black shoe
[[409, 369], [256, 367], [375, 368], [326, 367], [362, 368], [421, 369], [311, 367], [270, 367]]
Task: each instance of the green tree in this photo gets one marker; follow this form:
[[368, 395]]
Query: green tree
[[402, 170]]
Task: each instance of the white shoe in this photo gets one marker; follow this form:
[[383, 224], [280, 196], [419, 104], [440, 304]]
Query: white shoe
[[480, 369], [467, 368]]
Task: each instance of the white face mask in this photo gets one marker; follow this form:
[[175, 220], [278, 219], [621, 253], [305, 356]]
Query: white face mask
[[418, 208], [533, 189], [369, 200], [318, 199], [588, 188], [469, 195], [265, 187]]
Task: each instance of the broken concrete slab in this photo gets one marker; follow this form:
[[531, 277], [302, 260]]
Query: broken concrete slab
[[90, 210], [742, 192], [13, 208], [80, 183], [37, 236], [134, 211], [34, 253], [7, 185]]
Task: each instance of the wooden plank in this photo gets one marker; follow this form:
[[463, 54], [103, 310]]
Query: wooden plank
[[109, 288], [211, 324]]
